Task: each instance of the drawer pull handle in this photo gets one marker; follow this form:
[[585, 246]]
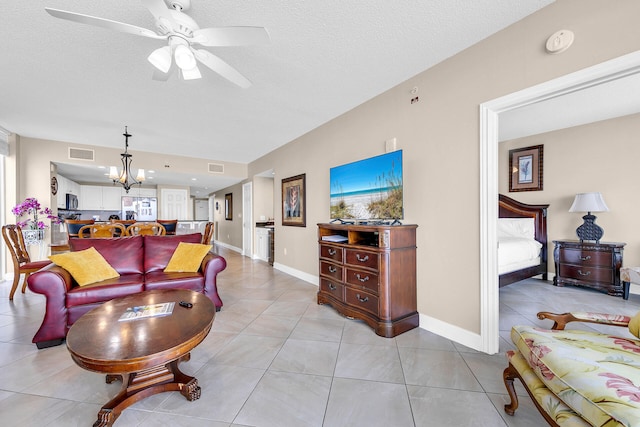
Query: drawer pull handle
[[332, 252], [365, 299], [365, 259], [332, 286], [584, 274], [332, 269], [585, 258], [362, 279]]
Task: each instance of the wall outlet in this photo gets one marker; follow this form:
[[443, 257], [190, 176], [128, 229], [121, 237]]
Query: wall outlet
[[285, 251]]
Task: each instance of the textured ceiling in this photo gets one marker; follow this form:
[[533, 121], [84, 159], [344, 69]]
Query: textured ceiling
[[71, 82]]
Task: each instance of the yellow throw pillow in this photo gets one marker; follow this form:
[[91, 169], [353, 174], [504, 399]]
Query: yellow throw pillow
[[187, 258], [86, 267], [634, 325]]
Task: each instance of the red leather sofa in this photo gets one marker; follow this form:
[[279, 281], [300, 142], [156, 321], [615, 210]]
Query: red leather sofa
[[140, 261]]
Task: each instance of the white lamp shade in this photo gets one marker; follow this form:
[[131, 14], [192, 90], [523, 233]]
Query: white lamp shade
[[161, 59], [140, 176], [113, 173], [184, 57], [589, 202]]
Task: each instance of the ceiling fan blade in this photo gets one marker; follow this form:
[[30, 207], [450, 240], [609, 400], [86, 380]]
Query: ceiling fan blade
[[104, 23], [219, 66], [231, 36], [159, 10]]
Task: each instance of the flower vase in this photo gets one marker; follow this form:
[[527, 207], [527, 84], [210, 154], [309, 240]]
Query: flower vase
[[33, 237]]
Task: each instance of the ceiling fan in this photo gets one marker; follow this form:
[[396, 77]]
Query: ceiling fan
[[182, 33]]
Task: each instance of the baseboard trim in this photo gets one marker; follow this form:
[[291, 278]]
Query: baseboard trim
[[452, 332], [314, 280], [225, 245]]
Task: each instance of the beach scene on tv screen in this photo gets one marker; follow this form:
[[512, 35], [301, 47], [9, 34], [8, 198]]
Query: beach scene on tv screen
[[368, 189]]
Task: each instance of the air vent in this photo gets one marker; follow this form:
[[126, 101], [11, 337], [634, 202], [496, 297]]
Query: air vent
[[81, 154], [216, 168]]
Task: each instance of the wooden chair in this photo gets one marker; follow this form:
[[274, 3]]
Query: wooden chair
[[169, 225], [74, 226], [125, 222], [102, 231], [207, 235], [146, 228], [12, 235]]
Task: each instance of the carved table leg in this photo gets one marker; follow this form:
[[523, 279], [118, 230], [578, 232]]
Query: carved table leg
[[139, 385]]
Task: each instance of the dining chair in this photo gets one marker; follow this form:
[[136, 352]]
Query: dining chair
[[74, 226], [207, 235], [12, 235], [146, 228], [102, 231], [125, 222], [169, 225]]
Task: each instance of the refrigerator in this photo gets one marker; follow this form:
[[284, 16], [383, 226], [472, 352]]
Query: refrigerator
[[140, 208]]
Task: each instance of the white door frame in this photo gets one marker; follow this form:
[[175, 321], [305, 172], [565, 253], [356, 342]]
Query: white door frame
[[489, 123], [247, 219]]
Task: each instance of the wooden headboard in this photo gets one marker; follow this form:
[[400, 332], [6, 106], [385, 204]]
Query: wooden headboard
[[510, 208]]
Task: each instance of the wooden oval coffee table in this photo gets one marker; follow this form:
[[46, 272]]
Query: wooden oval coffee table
[[144, 353]]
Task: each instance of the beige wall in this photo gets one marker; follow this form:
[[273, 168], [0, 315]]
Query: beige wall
[[440, 139], [229, 231], [262, 198], [595, 157]]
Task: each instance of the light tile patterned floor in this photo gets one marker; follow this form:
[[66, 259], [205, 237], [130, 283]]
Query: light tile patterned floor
[[276, 358]]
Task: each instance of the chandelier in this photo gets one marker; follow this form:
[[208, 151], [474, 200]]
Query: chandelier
[[125, 177]]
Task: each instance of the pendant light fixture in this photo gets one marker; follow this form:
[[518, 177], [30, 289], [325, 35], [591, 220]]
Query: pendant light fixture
[[125, 178]]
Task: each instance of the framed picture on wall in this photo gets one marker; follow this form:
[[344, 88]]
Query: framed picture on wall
[[525, 168], [228, 206], [293, 201]]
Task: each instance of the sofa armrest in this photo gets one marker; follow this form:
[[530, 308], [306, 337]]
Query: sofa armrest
[[53, 282], [211, 265], [561, 320]]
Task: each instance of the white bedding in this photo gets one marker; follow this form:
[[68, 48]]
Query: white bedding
[[517, 247]]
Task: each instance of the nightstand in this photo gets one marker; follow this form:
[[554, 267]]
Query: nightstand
[[593, 265]]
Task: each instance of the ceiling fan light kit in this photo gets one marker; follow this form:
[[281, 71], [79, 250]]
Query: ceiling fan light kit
[[161, 59], [182, 33]]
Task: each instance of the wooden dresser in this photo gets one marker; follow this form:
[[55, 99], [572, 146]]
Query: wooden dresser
[[593, 265], [368, 272]]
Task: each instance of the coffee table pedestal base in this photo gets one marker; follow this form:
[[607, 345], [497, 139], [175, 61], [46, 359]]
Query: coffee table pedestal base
[[139, 385]]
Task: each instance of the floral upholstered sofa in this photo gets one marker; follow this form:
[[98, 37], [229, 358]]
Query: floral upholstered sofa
[[576, 377]]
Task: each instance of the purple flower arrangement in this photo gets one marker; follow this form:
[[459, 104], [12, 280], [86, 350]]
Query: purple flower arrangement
[[31, 206]]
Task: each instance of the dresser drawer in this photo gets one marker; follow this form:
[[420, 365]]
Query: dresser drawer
[[331, 269], [361, 278], [332, 287], [362, 300], [362, 258], [585, 257], [587, 274], [331, 252]]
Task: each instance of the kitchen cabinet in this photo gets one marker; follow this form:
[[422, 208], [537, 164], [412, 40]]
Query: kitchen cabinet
[[137, 191], [96, 197], [262, 243], [65, 186]]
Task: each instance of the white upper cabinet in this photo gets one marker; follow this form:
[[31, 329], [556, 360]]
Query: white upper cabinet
[[96, 197]]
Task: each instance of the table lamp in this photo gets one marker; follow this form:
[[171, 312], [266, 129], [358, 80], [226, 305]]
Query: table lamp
[[589, 202]]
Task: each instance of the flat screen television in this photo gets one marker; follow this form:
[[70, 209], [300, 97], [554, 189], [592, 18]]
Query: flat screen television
[[369, 189]]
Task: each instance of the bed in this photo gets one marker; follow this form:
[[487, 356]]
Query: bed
[[522, 240]]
